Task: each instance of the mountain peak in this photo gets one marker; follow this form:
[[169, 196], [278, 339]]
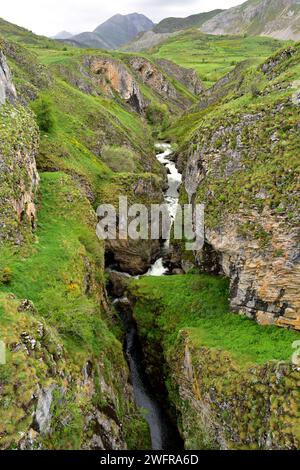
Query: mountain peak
[[121, 29], [63, 35], [276, 18]]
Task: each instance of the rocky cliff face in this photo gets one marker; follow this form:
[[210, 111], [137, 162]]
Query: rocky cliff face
[[225, 407], [243, 167], [7, 89], [147, 40], [155, 79], [18, 176], [276, 18], [134, 256], [188, 77], [113, 76]]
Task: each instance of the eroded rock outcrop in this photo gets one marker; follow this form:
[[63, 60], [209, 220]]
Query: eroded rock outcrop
[[128, 255], [113, 76], [245, 167], [233, 384], [188, 77], [224, 406], [155, 79], [7, 89], [19, 139]]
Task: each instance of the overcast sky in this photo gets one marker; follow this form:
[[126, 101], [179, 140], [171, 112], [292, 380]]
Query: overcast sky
[[48, 17]]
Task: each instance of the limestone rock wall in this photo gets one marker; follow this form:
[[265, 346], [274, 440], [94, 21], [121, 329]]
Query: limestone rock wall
[[7, 89], [19, 140], [188, 77], [247, 177], [59, 403], [224, 406], [113, 76]]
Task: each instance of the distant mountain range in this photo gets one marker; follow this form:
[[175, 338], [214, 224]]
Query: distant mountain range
[[113, 33], [170, 25], [276, 18], [63, 35]]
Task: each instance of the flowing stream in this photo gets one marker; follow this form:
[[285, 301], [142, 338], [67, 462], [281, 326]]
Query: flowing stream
[[164, 435], [171, 199]]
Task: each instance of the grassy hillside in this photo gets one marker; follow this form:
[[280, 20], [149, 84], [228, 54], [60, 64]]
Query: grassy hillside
[[169, 25], [212, 57], [277, 18], [254, 92], [225, 374], [204, 312]]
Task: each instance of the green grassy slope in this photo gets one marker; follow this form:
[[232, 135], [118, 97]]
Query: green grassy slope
[[21, 35], [62, 274], [199, 304], [251, 92], [231, 380], [169, 25], [214, 56]]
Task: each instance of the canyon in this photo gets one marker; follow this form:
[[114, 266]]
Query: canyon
[[96, 331]]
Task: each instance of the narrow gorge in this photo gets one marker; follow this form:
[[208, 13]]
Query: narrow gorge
[[133, 344]]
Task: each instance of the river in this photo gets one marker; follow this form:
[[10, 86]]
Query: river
[[164, 434], [171, 199]]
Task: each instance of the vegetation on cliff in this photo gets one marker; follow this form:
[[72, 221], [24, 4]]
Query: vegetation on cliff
[[98, 114], [230, 379], [240, 157], [59, 334], [212, 57]]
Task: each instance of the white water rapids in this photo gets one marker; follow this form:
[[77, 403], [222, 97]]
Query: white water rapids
[[164, 435], [171, 199]]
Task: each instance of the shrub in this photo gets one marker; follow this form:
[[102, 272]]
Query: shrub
[[158, 115], [43, 109], [119, 159], [254, 90], [5, 275]]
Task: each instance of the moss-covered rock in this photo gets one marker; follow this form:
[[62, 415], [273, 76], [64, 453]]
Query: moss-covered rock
[[242, 161], [231, 381], [19, 179], [65, 384]]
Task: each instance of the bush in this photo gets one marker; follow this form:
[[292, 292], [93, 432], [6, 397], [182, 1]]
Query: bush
[[5, 275], [254, 90], [43, 109], [158, 115], [119, 159]]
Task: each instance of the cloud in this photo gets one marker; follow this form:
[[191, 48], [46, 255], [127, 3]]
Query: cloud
[[170, 3], [50, 16]]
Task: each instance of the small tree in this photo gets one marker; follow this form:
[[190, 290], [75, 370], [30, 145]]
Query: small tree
[[43, 109], [254, 90], [158, 115]]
